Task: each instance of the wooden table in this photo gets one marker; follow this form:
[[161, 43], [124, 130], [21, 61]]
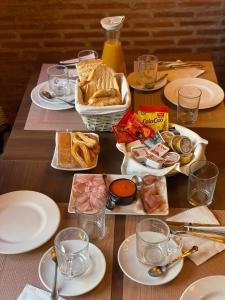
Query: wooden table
[[26, 165]]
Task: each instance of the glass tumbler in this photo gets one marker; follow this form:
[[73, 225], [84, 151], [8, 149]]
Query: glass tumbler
[[58, 80], [87, 54], [72, 248], [93, 222], [147, 68], [202, 182], [188, 104]]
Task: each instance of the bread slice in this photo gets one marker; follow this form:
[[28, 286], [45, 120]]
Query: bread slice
[[84, 68], [64, 149], [104, 78], [105, 97]]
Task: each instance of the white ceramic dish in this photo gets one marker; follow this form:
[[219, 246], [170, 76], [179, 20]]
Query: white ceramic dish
[[57, 105], [132, 78], [131, 166], [207, 288], [135, 208], [27, 220], [55, 155], [137, 271], [212, 93], [75, 286]]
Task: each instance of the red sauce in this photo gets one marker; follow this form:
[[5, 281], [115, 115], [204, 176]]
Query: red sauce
[[123, 187]]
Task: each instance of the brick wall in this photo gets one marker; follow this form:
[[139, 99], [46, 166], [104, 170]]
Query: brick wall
[[35, 31]]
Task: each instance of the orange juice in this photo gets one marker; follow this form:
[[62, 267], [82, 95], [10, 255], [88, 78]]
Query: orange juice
[[113, 56]]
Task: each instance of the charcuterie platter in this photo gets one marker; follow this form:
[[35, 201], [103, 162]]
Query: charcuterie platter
[[150, 200]]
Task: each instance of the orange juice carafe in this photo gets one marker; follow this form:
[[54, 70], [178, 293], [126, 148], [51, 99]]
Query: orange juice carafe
[[112, 54]]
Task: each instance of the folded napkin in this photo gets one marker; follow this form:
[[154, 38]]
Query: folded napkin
[[181, 73], [206, 248], [32, 293]]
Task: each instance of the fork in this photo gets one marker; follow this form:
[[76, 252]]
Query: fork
[[200, 235]]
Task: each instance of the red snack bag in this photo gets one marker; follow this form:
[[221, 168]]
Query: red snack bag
[[121, 135], [136, 128]]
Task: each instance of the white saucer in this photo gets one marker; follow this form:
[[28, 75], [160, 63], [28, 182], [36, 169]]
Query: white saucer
[[207, 288], [27, 220], [137, 271], [75, 286], [57, 104], [212, 93], [132, 82]]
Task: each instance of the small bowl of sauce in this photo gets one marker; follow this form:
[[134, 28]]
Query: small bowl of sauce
[[122, 191]]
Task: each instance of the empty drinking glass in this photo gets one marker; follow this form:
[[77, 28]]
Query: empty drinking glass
[[202, 182], [72, 248], [58, 80], [87, 54], [147, 67], [188, 104]]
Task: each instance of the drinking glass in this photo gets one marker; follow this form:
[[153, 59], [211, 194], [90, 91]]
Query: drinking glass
[[87, 54], [58, 80], [188, 104], [93, 222], [147, 66], [202, 182], [72, 248], [154, 243]]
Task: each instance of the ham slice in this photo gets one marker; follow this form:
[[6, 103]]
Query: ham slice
[[89, 192], [150, 194]]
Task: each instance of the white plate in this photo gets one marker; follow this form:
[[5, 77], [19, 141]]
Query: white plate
[[55, 155], [57, 105], [75, 286], [27, 220], [207, 288], [212, 93], [137, 271], [132, 82], [135, 208]]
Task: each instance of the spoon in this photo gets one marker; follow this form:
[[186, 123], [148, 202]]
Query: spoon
[[152, 85], [51, 96], [54, 294], [138, 181], [158, 271]]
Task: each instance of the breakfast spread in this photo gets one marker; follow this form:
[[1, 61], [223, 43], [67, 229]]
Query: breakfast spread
[[77, 149], [98, 84]]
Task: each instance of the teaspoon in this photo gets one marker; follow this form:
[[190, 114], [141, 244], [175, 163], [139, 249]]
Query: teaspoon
[[51, 96], [158, 271], [54, 294]]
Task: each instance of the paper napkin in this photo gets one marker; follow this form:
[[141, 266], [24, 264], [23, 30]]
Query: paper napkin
[[182, 73], [32, 293], [206, 248]]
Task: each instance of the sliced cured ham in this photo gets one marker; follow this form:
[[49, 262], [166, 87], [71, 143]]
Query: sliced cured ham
[[150, 194], [89, 192]]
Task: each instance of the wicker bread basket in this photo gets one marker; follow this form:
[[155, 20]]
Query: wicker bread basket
[[102, 118]]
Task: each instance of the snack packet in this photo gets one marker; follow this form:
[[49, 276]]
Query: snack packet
[[156, 117]]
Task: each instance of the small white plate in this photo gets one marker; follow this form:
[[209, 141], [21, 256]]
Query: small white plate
[[57, 104], [135, 208], [75, 286], [212, 93], [207, 288], [66, 168], [137, 271], [27, 220], [132, 77]]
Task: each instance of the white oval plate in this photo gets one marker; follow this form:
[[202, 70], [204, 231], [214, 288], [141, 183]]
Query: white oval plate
[[212, 93], [74, 286], [27, 220], [57, 105], [137, 271], [207, 288]]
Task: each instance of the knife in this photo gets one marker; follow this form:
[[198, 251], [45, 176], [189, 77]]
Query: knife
[[189, 224]]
